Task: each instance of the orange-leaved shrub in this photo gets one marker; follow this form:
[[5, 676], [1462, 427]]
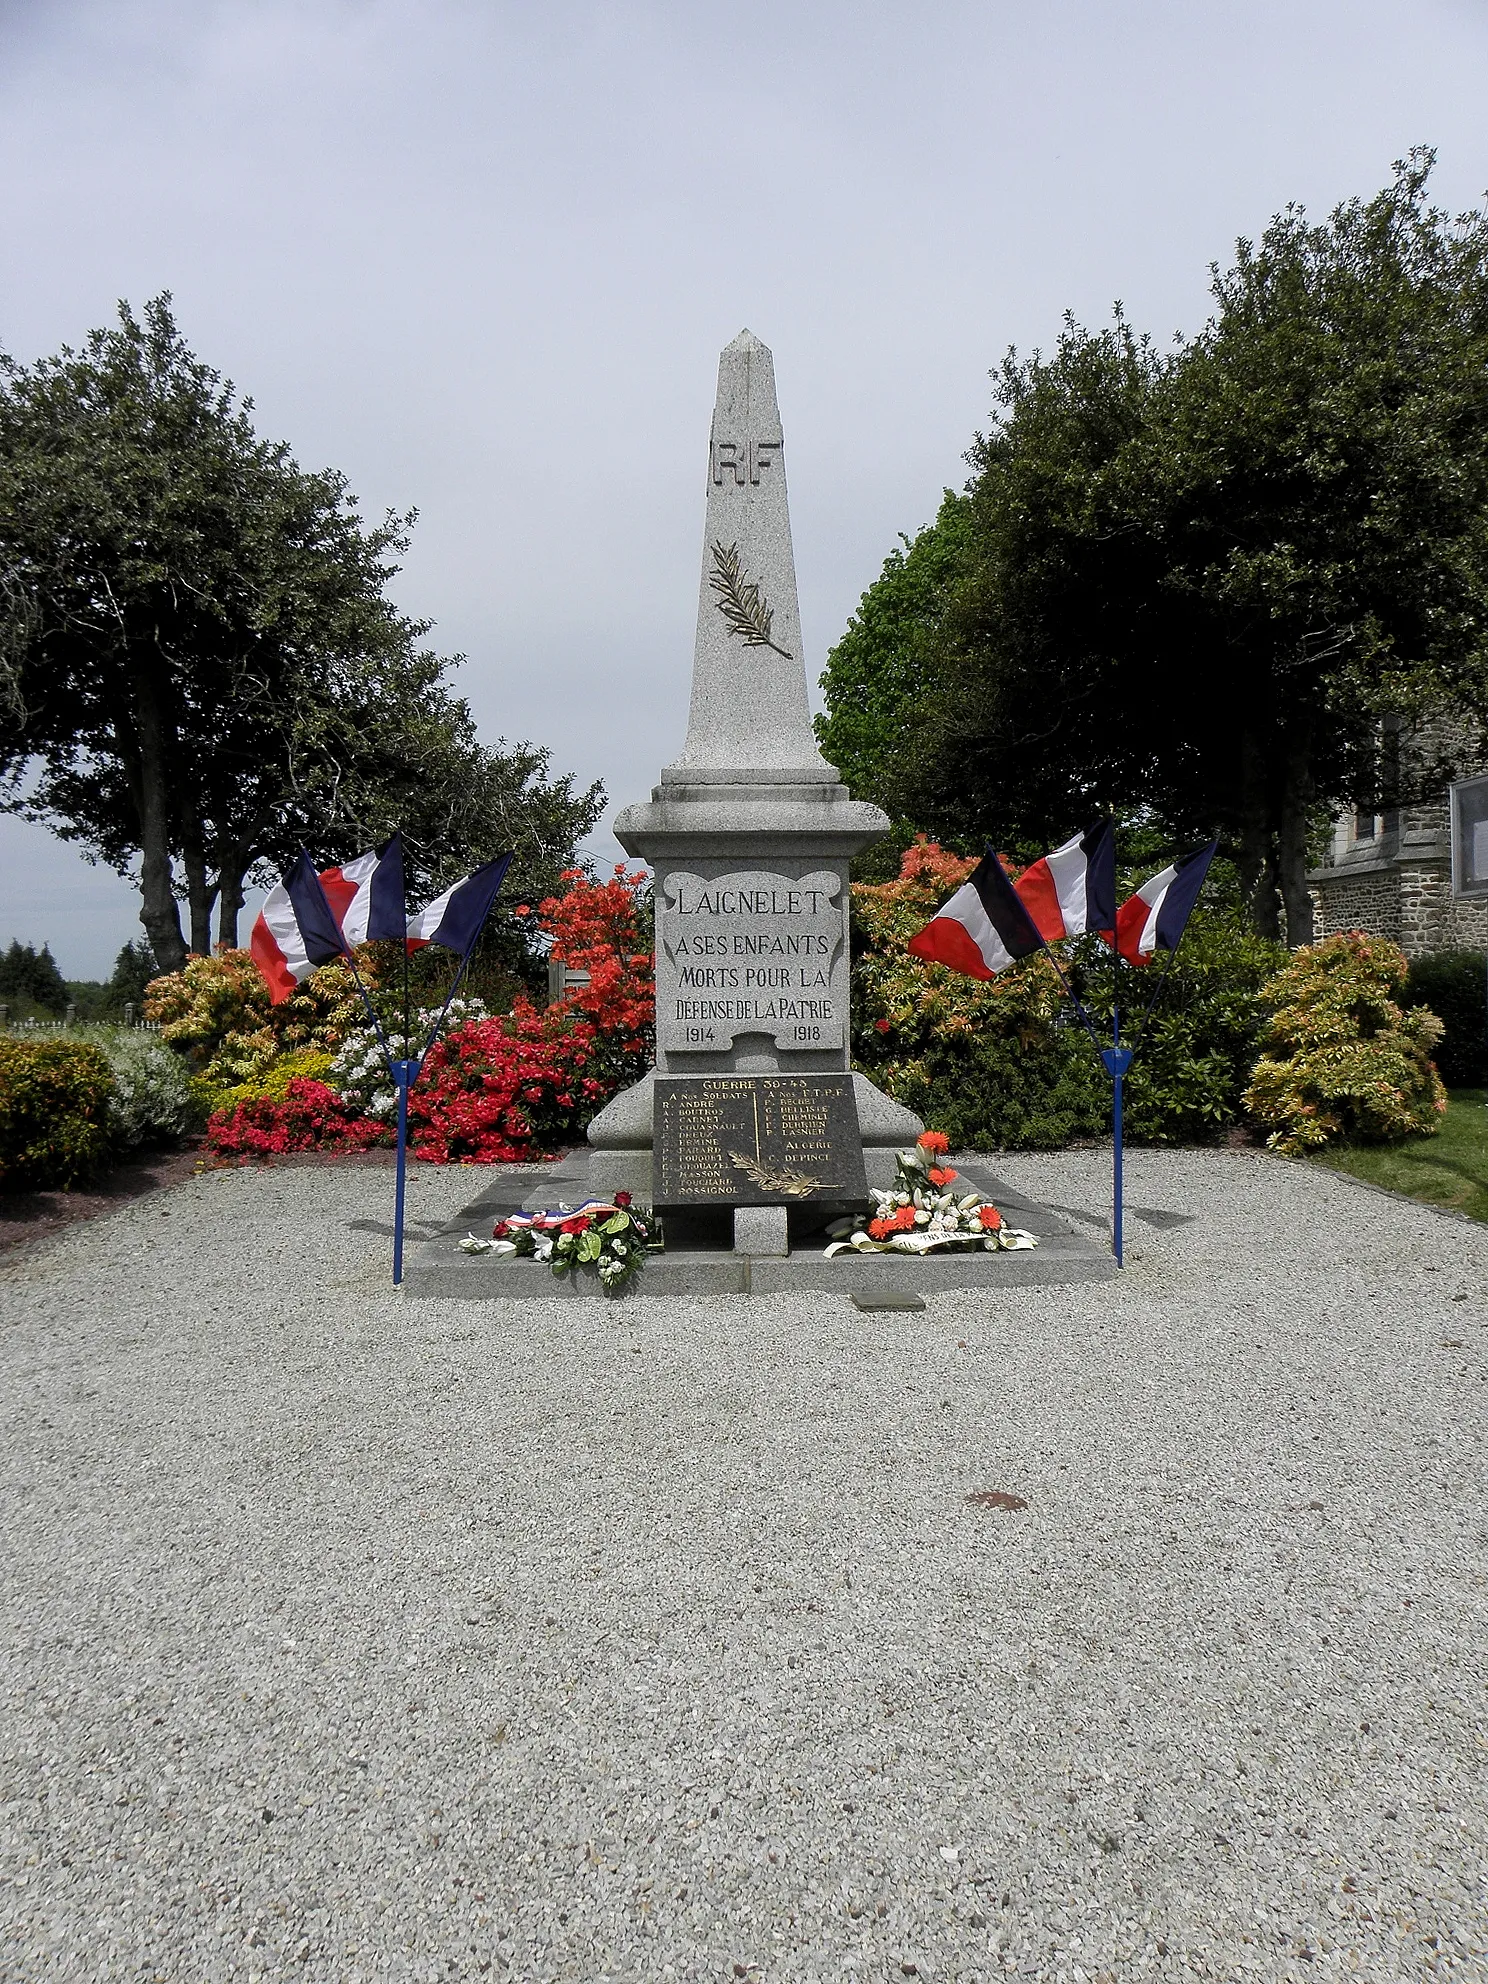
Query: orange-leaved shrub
[[1341, 1059]]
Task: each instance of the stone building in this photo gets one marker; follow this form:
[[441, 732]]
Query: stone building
[[1390, 875]]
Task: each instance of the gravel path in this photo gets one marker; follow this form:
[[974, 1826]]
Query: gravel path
[[348, 1637]]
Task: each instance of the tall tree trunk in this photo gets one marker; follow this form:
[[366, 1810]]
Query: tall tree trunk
[[1296, 810], [229, 894], [1265, 906], [1257, 857], [199, 893], [159, 911]]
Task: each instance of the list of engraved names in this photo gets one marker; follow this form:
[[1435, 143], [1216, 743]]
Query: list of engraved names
[[753, 1138]]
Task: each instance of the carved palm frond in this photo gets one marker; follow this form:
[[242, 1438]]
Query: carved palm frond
[[741, 602]]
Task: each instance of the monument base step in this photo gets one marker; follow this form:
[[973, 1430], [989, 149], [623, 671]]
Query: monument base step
[[437, 1267]]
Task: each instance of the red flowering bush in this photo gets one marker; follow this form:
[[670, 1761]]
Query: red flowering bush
[[597, 927], [500, 1090], [310, 1117]]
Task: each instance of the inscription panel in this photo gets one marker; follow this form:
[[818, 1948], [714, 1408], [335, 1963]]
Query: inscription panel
[[756, 1140], [750, 953]]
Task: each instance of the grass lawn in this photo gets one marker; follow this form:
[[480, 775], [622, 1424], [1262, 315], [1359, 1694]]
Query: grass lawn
[[1449, 1169]]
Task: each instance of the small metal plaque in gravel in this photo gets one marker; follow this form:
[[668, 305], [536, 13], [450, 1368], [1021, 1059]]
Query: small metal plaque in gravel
[[756, 1140]]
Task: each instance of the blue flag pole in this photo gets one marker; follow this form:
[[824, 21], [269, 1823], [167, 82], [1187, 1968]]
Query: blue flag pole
[[1116, 1060], [405, 1074]]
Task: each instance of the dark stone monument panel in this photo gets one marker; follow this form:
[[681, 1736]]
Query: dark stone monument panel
[[757, 1140]]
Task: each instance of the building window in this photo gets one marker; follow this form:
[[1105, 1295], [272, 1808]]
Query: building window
[[1365, 826], [1470, 837]]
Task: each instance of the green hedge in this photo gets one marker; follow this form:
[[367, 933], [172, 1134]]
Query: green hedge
[[1451, 983], [54, 1112], [1007, 1066]]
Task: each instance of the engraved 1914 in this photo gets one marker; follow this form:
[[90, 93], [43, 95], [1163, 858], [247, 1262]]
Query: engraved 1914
[[750, 953]]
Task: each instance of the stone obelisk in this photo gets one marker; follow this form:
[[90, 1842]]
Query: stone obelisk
[[750, 831]]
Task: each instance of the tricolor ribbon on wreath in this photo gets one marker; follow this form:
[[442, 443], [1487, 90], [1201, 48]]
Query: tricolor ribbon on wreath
[[315, 916], [992, 921]]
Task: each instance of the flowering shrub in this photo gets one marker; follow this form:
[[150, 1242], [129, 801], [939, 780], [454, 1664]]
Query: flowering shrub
[[197, 1007], [499, 1090], [151, 1102], [217, 1012], [992, 1060], [271, 1084], [1341, 1058], [359, 1071], [920, 1214], [1006, 1064], [598, 927], [310, 1117], [493, 1090]]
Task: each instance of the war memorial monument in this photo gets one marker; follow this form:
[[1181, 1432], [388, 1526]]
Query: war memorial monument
[[752, 1132]]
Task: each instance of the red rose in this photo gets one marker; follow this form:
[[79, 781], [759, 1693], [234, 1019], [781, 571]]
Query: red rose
[[500, 1230], [580, 1225], [882, 1025], [990, 1217], [622, 1198]]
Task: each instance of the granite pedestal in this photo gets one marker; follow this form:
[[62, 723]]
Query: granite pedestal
[[436, 1267]]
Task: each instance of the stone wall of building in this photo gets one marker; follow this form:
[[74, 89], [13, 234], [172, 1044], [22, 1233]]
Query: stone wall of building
[[1398, 883], [1406, 897]]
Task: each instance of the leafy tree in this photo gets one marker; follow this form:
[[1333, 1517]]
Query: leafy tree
[[1239, 582], [199, 669], [134, 967], [30, 977], [878, 670]]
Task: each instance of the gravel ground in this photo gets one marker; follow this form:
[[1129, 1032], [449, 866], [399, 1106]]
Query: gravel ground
[[348, 1637]]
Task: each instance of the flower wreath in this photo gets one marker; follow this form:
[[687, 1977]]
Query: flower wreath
[[607, 1235], [921, 1213]]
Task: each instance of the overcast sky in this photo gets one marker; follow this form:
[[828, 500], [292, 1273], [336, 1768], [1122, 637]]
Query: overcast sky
[[482, 257]]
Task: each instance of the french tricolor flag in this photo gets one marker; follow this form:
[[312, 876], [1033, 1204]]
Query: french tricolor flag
[[1073, 890], [991, 921], [311, 918], [1155, 918], [455, 918], [984, 927]]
